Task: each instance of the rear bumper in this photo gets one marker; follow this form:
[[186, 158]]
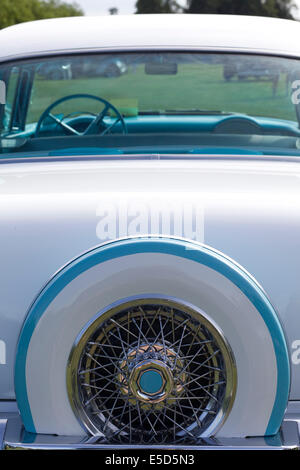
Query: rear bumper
[[13, 436]]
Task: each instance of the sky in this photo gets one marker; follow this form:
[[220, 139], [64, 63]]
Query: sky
[[125, 7], [100, 7]]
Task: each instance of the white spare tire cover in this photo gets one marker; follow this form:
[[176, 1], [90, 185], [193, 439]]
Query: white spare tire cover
[[187, 277]]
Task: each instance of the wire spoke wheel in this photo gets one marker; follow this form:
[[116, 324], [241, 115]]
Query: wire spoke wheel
[[151, 371]]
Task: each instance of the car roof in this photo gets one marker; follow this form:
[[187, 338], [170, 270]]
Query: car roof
[[132, 32]]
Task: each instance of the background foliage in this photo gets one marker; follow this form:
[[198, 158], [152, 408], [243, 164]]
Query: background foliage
[[17, 11], [276, 8], [157, 6]]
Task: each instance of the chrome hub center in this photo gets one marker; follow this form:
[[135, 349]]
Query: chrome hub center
[[147, 374], [151, 381]]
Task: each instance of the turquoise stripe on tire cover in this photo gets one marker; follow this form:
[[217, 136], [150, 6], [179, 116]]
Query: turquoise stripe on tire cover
[[182, 249]]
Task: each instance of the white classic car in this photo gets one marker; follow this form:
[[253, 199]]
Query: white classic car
[[150, 233]]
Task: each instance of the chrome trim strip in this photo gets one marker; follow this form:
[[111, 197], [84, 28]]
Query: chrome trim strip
[[147, 156], [8, 406], [289, 430], [117, 49], [16, 438], [3, 423]]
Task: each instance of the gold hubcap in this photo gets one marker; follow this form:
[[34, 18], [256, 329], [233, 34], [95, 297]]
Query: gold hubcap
[[151, 371], [151, 394]]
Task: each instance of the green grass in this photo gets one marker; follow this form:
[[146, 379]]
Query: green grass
[[195, 86]]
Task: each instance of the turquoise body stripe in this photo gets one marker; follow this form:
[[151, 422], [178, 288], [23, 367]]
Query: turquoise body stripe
[[179, 248]]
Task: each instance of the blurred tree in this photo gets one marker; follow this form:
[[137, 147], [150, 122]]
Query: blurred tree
[[157, 6], [113, 11], [276, 8], [284, 8], [18, 11]]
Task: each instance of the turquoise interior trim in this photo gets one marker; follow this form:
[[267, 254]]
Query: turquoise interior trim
[[86, 151], [224, 151], [182, 249]]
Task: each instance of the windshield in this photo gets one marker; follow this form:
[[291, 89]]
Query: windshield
[[151, 102]]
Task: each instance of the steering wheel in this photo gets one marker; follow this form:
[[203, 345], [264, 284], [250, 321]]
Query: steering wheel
[[93, 127]]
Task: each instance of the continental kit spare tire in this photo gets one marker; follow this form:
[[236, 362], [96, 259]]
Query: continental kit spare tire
[[152, 340]]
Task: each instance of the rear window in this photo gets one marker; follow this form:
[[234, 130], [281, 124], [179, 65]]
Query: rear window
[[165, 93]]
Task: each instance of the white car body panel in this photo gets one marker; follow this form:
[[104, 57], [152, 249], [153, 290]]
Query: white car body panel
[[238, 214]]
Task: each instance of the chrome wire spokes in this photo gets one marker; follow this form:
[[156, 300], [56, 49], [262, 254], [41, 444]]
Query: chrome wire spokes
[[151, 371]]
